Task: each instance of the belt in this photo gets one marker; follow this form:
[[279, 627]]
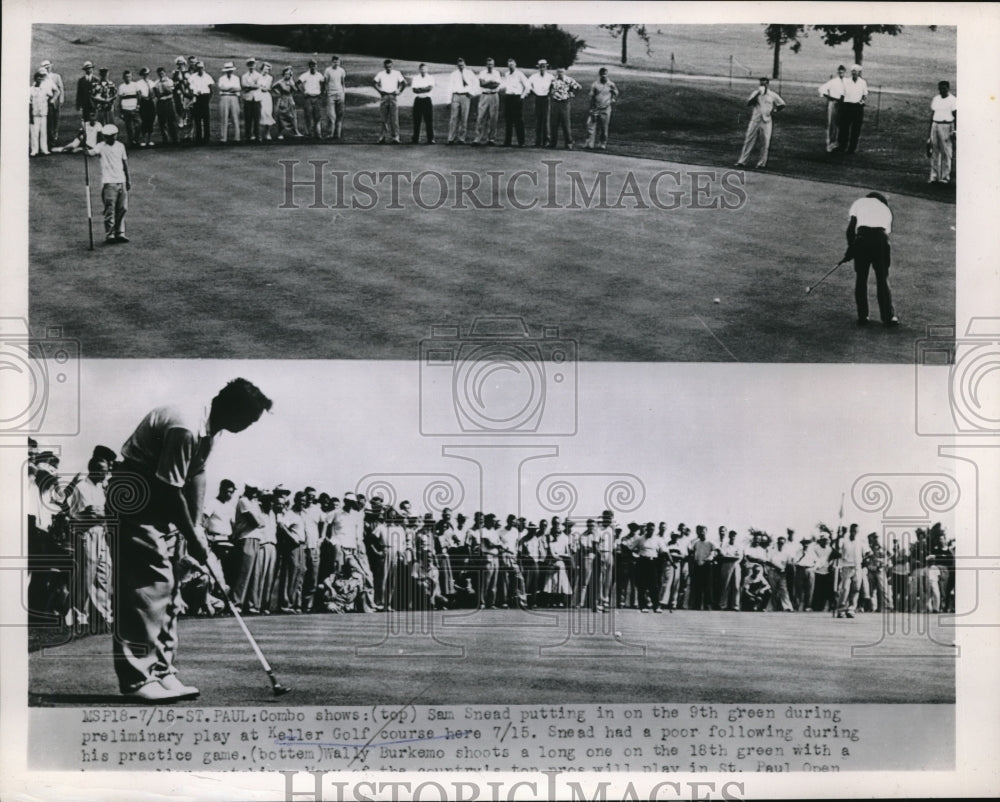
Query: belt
[[943, 122], [490, 92], [165, 97], [229, 94]]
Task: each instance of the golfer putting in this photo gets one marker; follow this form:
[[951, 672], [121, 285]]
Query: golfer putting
[[157, 494]]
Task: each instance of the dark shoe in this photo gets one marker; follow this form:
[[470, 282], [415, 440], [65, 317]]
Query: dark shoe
[[121, 238], [863, 321], [893, 321]]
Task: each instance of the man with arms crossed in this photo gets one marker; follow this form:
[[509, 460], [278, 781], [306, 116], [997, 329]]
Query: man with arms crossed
[[158, 495]]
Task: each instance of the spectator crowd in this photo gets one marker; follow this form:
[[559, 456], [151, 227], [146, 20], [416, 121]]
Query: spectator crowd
[[287, 552]]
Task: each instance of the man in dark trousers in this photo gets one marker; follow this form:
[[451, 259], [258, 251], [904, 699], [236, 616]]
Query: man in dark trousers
[[868, 242], [157, 495]]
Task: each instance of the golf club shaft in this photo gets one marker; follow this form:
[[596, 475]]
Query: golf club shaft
[[86, 181], [827, 274], [246, 630]]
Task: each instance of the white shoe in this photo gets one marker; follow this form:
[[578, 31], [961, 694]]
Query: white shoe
[[172, 683], [153, 692]]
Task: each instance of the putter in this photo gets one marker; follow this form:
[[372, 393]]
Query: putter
[[828, 273], [276, 687]]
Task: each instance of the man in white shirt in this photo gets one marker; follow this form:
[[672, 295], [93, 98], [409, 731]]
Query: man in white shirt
[[390, 83], [55, 101], [248, 525], [229, 101], [833, 93], [423, 107], [250, 87], [868, 242], [488, 108], [462, 84], [853, 552], [217, 520], [200, 84], [335, 76], [128, 104], [85, 498], [147, 108], [944, 118], [764, 103], [852, 110], [115, 183], [777, 559], [514, 88], [541, 84], [311, 85], [729, 558], [38, 100]]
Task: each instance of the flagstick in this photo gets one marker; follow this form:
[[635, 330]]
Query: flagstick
[[836, 574], [86, 179]]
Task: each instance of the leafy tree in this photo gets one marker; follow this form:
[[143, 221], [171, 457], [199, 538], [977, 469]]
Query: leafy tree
[[623, 32], [857, 35], [778, 35]]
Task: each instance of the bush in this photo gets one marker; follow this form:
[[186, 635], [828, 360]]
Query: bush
[[435, 43]]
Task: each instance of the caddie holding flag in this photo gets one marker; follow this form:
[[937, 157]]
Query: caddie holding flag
[[115, 183]]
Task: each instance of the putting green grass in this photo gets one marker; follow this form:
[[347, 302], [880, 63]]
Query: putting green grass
[[216, 268], [506, 658]]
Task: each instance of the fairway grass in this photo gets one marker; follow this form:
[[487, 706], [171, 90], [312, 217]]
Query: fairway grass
[[216, 267]]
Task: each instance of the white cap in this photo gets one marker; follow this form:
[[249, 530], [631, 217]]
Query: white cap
[[109, 129]]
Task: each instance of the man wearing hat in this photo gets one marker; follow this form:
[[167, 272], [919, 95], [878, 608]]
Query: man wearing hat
[[128, 104], [541, 85], [201, 84], [250, 86], [55, 80], [104, 97], [390, 84], [166, 455], [115, 183], [462, 84], [764, 103], [147, 108], [311, 84], [868, 242], [229, 102], [603, 95], [852, 110], [38, 102], [86, 86]]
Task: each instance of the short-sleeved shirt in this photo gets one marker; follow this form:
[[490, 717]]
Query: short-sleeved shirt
[[170, 443], [128, 95], [86, 494], [766, 104], [702, 551], [564, 88], [218, 516], [312, 83], [200, 84], [514, 83], [113, 158], [944, 108], [489, 80], [871, 213], [541, 83], [335, 77], [602, 94], [229, 84], [422, 82], [391, 82], [249, 519], [163, 88], [250, 83], [833, 89], [855, 91]]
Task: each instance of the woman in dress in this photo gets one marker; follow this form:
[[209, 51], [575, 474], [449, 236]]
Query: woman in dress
[[283, 92], [557, 584], [266, 101]]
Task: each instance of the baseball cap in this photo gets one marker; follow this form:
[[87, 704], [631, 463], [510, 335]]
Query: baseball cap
[[88, 65], [179, 60], [543, 63], [251, 60], [109, 129]]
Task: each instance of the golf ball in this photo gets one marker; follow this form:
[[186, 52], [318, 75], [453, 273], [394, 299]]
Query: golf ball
[[618, 633], [716, 300]]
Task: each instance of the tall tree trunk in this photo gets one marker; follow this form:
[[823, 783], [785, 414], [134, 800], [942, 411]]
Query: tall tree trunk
[[625, 30], [777, 60], [859, 49]]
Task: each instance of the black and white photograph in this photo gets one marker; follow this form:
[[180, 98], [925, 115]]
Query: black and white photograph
[[497, 401]]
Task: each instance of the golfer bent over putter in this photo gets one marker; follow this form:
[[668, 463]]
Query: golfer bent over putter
[[157, 494], [868, 242]]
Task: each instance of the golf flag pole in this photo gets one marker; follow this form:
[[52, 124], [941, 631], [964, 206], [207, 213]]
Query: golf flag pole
[[86, 181]]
